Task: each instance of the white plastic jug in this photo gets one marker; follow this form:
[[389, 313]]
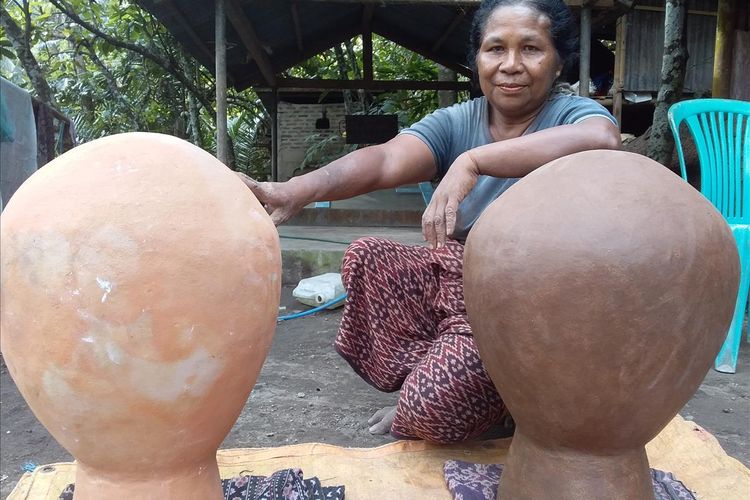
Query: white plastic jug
[[318, 290]]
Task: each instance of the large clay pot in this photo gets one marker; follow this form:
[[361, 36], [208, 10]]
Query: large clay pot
[[599, 289], [140, 288]]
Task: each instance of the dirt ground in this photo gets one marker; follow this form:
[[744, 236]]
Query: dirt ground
[[307, 393]]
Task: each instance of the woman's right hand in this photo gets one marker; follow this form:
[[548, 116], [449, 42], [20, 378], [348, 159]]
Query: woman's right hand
[[280, 199]]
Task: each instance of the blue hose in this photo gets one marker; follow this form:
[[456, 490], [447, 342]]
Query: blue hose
[[313, 310]]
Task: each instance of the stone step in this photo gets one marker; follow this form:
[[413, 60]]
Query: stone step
[[353, 217], [311, 250]]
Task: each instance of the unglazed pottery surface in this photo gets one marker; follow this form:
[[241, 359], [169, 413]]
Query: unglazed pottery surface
[[599, 289], [140, 287]]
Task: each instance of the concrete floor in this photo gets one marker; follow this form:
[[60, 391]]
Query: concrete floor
[[307, 393]]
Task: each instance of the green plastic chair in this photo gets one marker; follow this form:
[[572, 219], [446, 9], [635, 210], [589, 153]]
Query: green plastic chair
[[721, 131]]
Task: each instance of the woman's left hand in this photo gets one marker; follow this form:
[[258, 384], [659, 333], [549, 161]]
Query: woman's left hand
[[439, 219]]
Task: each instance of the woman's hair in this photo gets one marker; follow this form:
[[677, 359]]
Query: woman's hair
[[563, 28]]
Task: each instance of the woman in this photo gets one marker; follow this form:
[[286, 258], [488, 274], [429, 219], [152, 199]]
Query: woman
[[404, 325]]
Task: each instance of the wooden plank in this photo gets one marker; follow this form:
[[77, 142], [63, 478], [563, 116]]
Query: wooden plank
[[222, 150], [247, 34], [367, 13], [297, 84], [297, 30]]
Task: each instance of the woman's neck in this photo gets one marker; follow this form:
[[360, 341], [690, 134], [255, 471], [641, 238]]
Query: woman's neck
[[504, 127]]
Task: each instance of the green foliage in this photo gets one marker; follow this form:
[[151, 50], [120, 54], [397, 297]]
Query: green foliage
[[252, 145], [323, 149], [107, 87]]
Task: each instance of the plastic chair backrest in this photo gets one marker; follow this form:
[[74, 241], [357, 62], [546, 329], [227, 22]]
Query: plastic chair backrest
[[721, 131]]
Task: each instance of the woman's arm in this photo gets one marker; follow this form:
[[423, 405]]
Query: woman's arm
[[404, 159], [510, 158]]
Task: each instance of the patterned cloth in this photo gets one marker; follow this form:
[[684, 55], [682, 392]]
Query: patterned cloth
[[467, 481], [405, 327], [286, 484]]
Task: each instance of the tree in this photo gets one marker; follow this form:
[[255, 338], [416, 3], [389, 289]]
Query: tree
[[112, 67], [674, 62], [21, 43]]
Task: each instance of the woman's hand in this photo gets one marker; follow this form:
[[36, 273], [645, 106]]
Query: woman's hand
[[280, 199], [439, 219]]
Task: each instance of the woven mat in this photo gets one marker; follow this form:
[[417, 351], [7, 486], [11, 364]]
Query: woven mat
[[414, 469]]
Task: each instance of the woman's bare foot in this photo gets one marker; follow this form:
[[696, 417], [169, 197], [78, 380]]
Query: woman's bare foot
[[381, 421]]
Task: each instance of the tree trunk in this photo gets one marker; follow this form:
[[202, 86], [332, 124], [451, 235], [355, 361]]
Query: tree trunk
[[19, 40], [446, 97], [661, 143], [195, 121], [344, 75], [194, 118], [357, 73]]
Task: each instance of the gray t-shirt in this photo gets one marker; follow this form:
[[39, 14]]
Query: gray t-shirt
[[450, 131]]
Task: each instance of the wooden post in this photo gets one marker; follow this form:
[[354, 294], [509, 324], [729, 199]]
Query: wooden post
[[619, 77], [367, 43], [275, 135], [221, 83], [367, 56], [584, 76], [725, 24]]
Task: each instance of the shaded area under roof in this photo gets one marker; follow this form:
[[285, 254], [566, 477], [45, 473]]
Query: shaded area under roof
[[284, 33]]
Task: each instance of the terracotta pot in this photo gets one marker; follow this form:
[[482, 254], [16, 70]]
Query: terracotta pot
[[140, 288], [599, 289]]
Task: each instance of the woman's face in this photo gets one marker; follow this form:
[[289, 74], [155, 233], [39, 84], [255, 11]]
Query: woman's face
[[517, 62]]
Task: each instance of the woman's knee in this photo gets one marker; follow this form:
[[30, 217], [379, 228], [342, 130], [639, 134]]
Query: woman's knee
[[362, 255], [436, 416]]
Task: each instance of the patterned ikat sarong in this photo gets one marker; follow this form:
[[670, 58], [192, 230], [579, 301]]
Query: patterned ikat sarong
[[468, 481], [405, 327], [285, 484]]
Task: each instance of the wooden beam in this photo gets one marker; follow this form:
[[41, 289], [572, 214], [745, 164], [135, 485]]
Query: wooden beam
[[584, 60], [458, 3], [605, 17], [367, 12], [468, 3], [594, 4], [315, 45], [725, 25], [298, 84], [416, 47], [185, 25], [245, 30], [448, 30], [652, 8], [222, 150], [297, 30], [619, 76]]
